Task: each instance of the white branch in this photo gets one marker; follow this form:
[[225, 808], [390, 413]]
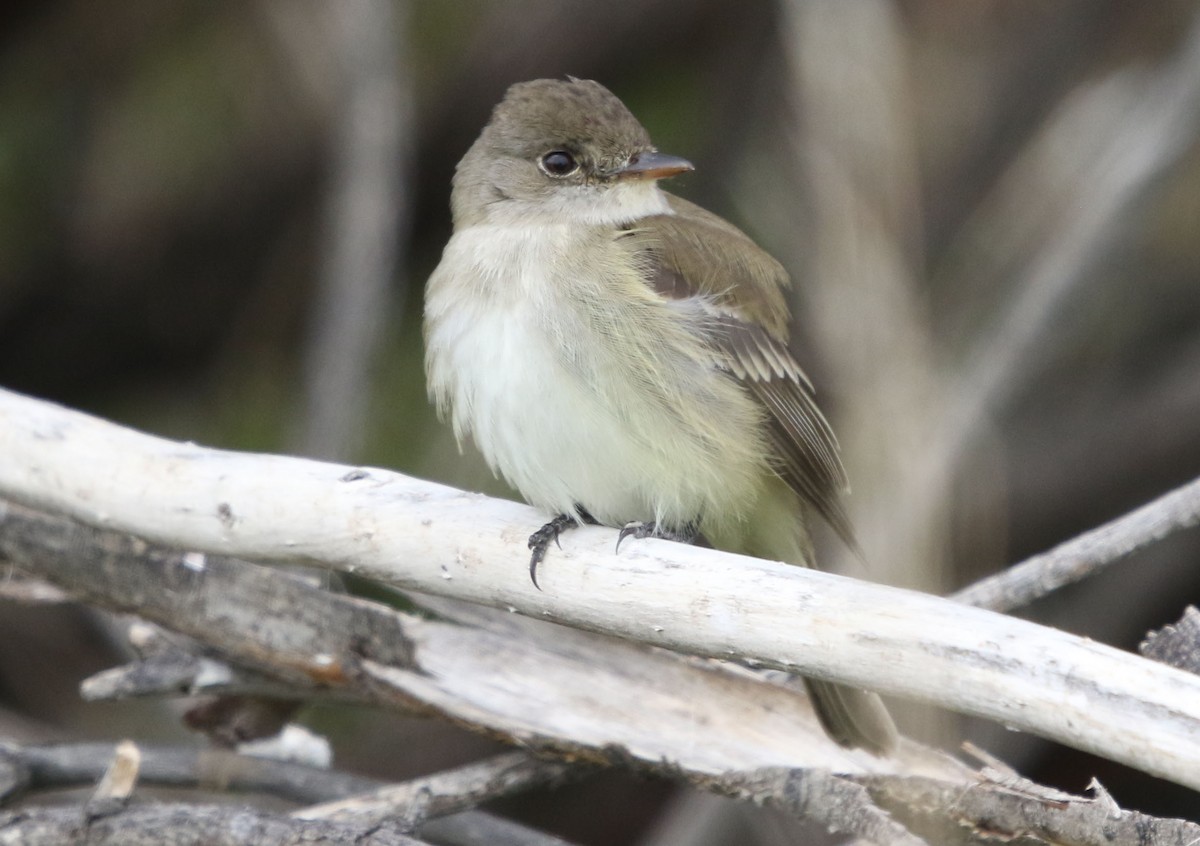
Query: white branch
[[576, 694], [435, 539]]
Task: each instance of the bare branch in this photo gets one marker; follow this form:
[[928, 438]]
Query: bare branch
[[855, 810], [63, 765], [443, 793], [1177, 644], [70, 765], [838, 803], [990, 813], [185, 672], [1087, 554], [174, 664], [184, 825], [417, 535], [902, 809], [532, 682], [1001, 803]]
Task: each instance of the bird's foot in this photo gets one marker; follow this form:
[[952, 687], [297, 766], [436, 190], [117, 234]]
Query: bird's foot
[[539, 541], [685, 534]]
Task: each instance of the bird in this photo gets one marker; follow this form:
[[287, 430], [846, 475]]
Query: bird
[[620, 355]]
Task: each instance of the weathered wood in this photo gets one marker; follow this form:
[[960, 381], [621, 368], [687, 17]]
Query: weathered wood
[[183, 825], [532, 683], [427, 537]]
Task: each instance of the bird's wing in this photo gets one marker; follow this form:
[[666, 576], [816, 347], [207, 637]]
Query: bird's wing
[[695, 254]]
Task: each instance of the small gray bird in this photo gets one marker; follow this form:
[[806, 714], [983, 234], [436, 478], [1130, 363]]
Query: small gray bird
[[620, 355]]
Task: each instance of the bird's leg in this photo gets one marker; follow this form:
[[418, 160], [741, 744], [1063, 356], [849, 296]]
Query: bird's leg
[[539, 541], [687, 533]]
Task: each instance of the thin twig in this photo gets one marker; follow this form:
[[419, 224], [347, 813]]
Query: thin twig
[[1088, 553], [62, 765], [446, 792], [59, 766], [72, 765], [183, 671]]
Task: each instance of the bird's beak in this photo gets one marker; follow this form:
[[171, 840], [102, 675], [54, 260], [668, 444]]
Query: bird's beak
[[653, 165]]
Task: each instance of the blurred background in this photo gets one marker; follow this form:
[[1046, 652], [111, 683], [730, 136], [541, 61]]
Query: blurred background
[[217, 217]]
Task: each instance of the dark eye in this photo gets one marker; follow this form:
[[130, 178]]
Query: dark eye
[[559, 163]]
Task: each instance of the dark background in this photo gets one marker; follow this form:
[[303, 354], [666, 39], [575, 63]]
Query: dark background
[[169, 177]]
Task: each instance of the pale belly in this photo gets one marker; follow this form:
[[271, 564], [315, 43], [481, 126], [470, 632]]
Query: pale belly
[[569, 429]]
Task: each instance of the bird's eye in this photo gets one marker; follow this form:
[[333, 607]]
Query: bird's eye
[[559, 163]]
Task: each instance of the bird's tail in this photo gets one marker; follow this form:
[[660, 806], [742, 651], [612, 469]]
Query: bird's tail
[[852, 717]]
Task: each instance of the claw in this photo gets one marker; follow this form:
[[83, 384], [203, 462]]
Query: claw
[[639, 530], [540, 540], [534, 560]]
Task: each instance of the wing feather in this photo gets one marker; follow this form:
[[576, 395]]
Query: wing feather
[[695, 254]]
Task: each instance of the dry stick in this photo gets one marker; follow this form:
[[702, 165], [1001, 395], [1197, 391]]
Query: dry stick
[[209, 604], [1177, 644], [185, 825], [535, 684], [840, 802], [1086, 554], [989, 813], [417, 535], [799, 791], [65, 765], [902, 809], [443, 793], [188, 668], [60, 766], [852, 812]]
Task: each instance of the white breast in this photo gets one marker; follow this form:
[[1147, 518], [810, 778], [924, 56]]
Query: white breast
[[556, 404]]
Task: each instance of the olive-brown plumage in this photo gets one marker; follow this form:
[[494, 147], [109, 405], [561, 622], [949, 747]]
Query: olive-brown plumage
[[620, 354]]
